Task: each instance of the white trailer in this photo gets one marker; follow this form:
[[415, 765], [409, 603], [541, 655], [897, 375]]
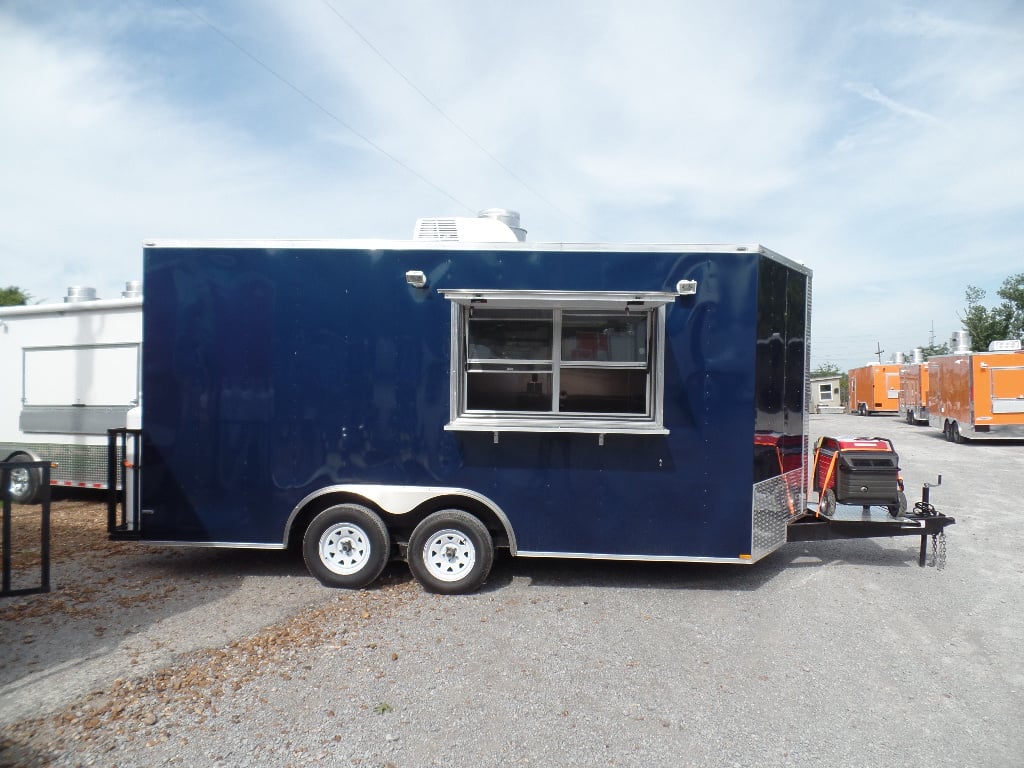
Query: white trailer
[[68, 373]]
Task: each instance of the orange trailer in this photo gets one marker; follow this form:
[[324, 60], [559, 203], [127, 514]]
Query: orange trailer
[[978, 394], [875, 388], [913, 399]]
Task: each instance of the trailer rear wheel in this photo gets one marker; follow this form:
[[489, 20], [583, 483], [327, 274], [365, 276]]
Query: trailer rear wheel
[[24, 483], [954, 433], [346, 546], [451, 552], [862, 410]]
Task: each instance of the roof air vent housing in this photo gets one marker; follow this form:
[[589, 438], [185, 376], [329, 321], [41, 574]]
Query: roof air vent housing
[[493, 225]]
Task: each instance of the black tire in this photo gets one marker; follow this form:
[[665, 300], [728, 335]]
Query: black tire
[[346, 546], [910, 417], [947, 433], [451, 552], [954, 433], [862, 410], [23, 487], [828, 507], [901, 504]]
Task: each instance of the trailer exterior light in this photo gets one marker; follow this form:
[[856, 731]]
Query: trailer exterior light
[[686, 287], [416, 278]]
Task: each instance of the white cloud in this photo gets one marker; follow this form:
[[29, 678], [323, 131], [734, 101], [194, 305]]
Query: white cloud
[[880, 146], [871, 93]]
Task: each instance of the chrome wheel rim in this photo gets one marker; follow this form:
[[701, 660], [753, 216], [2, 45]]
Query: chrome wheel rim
[[345, 549], [19, 482], [449, 555]]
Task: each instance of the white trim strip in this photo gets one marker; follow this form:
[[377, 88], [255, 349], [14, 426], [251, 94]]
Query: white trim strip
[[637, 558], [211, 544]]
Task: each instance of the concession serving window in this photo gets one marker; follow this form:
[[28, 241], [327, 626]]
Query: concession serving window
[[548, 361]]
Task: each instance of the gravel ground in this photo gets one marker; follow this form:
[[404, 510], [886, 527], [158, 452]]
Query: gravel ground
[[837, 653]]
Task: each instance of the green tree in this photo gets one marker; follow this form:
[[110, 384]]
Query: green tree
[[1004, 321], [1012, 293], [931, 350], [12, 296], [935, 349]]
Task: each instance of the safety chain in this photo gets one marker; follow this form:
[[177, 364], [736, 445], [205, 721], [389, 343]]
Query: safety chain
[[938, 558]]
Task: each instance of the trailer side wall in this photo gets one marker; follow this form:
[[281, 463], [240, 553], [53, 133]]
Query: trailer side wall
[[272, 373]]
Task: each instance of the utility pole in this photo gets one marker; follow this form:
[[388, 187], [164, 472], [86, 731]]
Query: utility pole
[[879, 351]]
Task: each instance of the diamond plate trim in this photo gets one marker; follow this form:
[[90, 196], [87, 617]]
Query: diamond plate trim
[[775, 502]]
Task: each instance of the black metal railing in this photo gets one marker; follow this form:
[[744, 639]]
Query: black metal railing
[[123, 448], [7, 545]]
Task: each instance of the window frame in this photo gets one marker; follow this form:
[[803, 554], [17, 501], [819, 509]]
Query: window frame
[[653, 304]]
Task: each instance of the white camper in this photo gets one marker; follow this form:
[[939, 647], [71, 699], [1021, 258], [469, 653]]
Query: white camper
[[68, 373]]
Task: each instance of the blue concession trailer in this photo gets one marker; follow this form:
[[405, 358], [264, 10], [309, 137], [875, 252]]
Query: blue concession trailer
[[432, 400]]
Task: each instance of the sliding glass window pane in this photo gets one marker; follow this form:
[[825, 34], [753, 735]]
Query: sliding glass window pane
[[601, 336], [603, 390], [509, 334], [518, 391], [491, 366]]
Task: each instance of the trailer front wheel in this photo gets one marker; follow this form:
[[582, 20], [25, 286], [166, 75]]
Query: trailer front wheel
[[900, 507], [828, 507], [346, 546], [451, 552]]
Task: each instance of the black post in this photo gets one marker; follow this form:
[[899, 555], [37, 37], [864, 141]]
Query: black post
[[112, 478], [44, 546], [6, 530], [5, 488]]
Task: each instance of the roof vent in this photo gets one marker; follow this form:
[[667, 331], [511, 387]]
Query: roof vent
[[1004, 345], [436, 229], [132, 289], [960, 342], [509, 218], [493, 225], [79, 293], [918, 355]]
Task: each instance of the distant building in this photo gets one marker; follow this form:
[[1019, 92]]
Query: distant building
[[825, 394]]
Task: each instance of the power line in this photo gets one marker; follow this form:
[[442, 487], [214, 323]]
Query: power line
[[452, 122], [320, 106]]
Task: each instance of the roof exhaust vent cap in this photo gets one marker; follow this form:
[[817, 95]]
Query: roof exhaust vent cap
[[960, 341], [79, 293]]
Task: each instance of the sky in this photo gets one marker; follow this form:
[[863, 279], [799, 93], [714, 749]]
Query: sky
[[879, 143]]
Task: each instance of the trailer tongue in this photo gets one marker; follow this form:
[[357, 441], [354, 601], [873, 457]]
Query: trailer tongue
[[849, 522]]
